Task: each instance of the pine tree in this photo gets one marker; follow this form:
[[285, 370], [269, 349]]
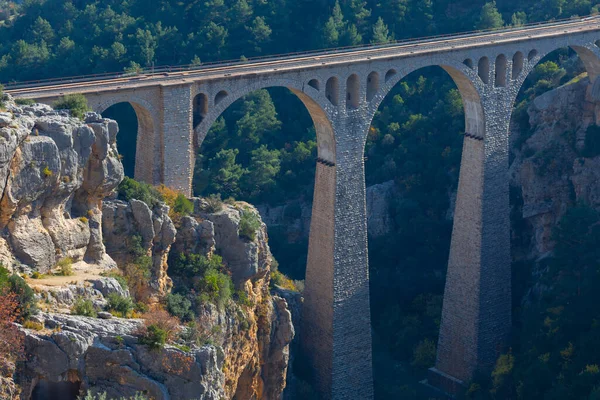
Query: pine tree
[[490, 17], [380, 32]]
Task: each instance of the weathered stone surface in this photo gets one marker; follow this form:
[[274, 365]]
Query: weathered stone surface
[[105, 357], [121, 221], [380, 220], [106, 286], [548, 168], [47, 204], [246, 259]]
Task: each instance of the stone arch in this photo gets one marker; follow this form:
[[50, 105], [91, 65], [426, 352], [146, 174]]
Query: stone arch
[[314, 83], [308, 95], [390, 74], [148, 154], [532, 54], [221, 96], [483, 69], [332, 90], [464, 78], [589, 55], [518, 63], [200, 108], [500, 71], [372, 85], [353, 91]]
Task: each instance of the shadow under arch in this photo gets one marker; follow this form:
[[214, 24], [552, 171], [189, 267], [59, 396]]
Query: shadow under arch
[[144, 148], [307, 95], [412, 255]]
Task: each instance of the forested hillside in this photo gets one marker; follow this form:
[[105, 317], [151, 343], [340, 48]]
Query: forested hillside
[[263, 148]]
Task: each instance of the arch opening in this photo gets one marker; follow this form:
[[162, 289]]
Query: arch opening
[[469, 63], [314, 83], [413, 153], [532, 54], [390, 74], [135, 141], [517, 66], [372, 85], [220, 96], [332, 90], [200, 108], [540, 161], [484, 69], [352, 91], [261, 149], [500, 71]]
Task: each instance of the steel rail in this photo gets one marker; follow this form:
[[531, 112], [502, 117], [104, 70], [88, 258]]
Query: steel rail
[[328, 55]]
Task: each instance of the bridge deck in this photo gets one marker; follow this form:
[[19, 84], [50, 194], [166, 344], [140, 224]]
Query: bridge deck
[[43, 89]]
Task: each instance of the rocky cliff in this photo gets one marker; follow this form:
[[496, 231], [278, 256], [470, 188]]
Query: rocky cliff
[[554, 167], [57, 179]]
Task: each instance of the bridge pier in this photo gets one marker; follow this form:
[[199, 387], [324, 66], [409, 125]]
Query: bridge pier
[[177, 137], [336, 312], [476, 314]]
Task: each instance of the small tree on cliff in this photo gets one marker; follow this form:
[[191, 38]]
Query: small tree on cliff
[[75, 103]]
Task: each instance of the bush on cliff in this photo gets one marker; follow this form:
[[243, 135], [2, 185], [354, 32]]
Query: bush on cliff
[[75, 103], [249, 224], [120, 306], [130, 189], [83, 307], [13, 283]]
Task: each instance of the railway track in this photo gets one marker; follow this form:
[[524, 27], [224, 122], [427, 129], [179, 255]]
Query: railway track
[[302, 60]]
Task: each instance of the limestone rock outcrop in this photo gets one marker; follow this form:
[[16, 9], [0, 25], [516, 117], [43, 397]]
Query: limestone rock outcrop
[[550, 167], [104, 356], [54, 172], [127, 225]]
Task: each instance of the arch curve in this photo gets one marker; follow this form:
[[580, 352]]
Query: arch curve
[[315, 105], [148, 165]]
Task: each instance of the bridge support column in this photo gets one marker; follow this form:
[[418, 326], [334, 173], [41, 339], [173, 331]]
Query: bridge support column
[[336, 335], [177, 138], [476, 315]]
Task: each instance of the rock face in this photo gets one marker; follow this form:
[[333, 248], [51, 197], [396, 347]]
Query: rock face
[[125, 222], [254, 336], [54, 172], [103, 356], [549, 168]]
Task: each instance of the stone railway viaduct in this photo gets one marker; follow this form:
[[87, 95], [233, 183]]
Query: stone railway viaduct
[[342, 91]]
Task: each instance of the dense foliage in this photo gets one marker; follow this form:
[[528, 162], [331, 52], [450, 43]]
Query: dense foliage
[[56, 38]]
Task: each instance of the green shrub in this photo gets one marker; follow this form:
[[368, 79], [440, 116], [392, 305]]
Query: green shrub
[[241, 297], [24, 102], [65, 267], [249, 224], [193, 265], [131, 189], [215, 287], [214, 204], [83, 307], [35, 326], [36, 275], [75, 103], [183, 205], [25, 295], [47, 172], [2, 96], [154, 337], [119, 305], [103, 396], [180, 306]]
